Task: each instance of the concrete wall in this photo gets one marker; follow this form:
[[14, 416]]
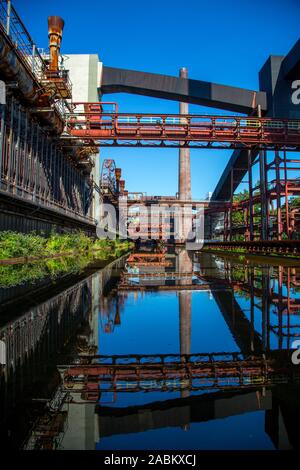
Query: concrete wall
[[85, 74]]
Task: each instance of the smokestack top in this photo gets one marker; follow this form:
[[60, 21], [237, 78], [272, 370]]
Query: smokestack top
[[55, 25], [183, 72]]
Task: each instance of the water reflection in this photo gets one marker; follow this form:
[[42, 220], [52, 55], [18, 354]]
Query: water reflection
[[36, 327], [212, 335]]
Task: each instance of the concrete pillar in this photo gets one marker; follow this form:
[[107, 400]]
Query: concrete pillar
[[184, 171]]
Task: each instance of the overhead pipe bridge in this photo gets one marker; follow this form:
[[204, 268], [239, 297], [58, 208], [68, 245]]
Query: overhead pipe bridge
[[273, 99]]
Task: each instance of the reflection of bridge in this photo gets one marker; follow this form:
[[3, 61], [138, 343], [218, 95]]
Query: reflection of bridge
[[188, 372], [180, 412], [279, 405], [171, 372], [241, 379], [265, 287], [280, 413], [225, 282]]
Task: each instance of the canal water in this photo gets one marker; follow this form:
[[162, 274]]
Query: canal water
[[176, 311]]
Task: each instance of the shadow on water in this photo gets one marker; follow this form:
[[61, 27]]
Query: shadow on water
[[157, 350]]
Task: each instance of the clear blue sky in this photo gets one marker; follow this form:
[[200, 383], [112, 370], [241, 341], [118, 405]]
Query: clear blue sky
[[220, 41]]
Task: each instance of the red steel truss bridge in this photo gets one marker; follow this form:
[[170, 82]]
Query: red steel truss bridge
[[170, 372], [89, 124]]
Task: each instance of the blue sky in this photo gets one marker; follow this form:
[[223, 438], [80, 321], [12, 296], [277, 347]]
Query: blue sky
[[220, 41]]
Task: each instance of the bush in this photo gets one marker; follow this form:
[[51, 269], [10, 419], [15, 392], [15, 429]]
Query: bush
[[17, 245]]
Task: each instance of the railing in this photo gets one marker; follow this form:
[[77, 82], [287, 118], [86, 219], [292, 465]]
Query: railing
[[61, 80], [92, 123], [13, 29], [12, 25], [81, 108], [136, 196], [47, 202]]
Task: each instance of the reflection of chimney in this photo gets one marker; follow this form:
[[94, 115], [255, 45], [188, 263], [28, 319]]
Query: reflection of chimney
[[185, 301], [55, 29], [185, 266], [185, 308], [117, 318]]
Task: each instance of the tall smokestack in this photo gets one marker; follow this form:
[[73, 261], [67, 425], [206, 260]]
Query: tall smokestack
[[55, 29], [184, 170]]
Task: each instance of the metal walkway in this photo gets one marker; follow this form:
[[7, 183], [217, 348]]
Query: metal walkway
[[173, 130]]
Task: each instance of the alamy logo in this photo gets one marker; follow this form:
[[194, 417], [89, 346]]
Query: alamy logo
[[154, 221], [296, 93], [296, 353]]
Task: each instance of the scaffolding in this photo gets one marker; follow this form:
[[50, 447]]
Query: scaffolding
[[266, 212]]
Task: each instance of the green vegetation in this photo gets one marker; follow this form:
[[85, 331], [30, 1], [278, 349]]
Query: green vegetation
[[115, 248], [13, 275], [80, 250], [19, 245], [294, 202], [238, 217]]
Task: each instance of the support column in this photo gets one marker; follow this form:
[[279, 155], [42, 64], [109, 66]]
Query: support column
[[278, 196], [2, 124], [231, 206], [263, 191], [286, 195], [250, 182]]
